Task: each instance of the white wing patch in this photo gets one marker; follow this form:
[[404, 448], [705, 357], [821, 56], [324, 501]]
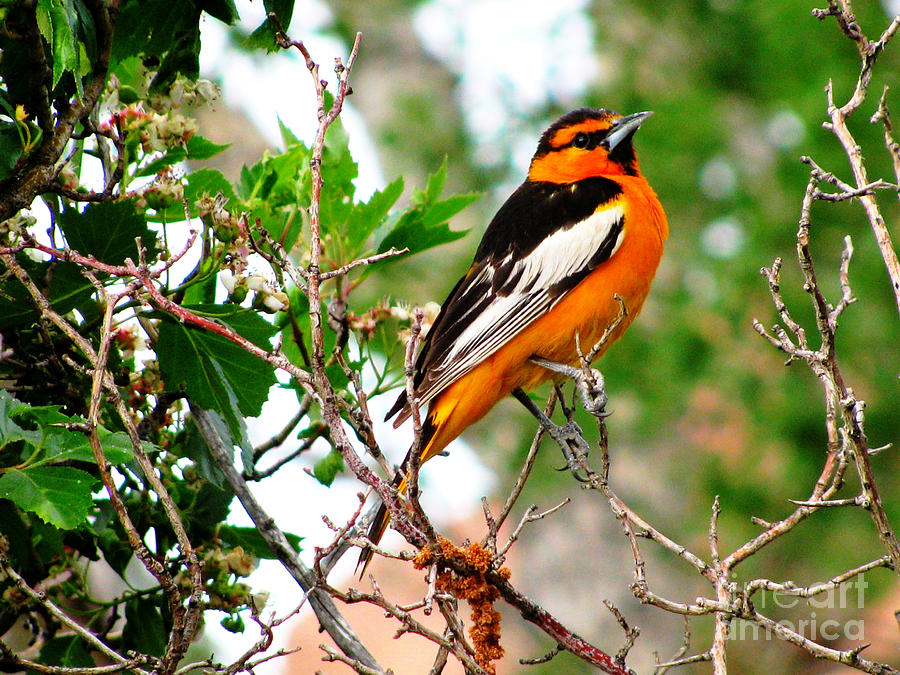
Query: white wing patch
[[563, 254]]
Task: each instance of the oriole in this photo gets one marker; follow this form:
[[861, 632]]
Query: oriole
[[584, 227]]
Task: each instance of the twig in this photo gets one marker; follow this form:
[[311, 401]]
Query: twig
[[531, 515], [869, 52], [361, 262], [326, 611], [494, 528], [631, 633], [282, 435], [91, 639]]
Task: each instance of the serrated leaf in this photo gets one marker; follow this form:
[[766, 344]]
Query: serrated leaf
[[74, 446], [153, 28], [264, 36], [195, 447], [202, 148], [327, 468], [107, 231], [434, 186], [287, 136], [367, 216], [276, 191], [10, 432], [216, 373], [440, 212], [59, 495], [408, 233], [197, 148], [283, 9], [252, 541], [57, 24], [56, 443], [425, 225], [340, 170]]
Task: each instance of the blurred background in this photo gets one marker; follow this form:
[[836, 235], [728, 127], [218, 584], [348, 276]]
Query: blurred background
[[702, 406]]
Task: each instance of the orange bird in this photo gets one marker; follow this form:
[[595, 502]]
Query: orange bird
[[583, 228]]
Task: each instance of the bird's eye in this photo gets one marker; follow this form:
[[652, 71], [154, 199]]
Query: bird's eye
[[581, 140]]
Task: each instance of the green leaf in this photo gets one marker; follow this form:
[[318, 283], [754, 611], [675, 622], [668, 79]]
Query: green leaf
[[367, 216], [214, 372], [440, 212], [151, 27], [252, 541], [264, 36], [144, 631], [10, 148], [287, 136], [223, 10], [182, 58], [59, 495], [194, 447], [434, 186], [197, 148], [202, 148], [57, 24], [327, 468], [204, 508], [283, 9], [425, 225], [74, 446], [10, 432], [18, 536], [55, 443], [107, 231], [409, 233], [68, 652], [276, 190]]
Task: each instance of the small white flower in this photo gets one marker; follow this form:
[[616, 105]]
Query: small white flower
[[257, 282], [274, 303]]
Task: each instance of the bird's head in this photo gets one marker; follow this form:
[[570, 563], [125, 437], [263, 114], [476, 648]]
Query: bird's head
[[587, 142]]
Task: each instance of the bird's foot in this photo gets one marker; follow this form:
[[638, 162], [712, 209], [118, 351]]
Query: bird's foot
[[568, 436], [574, 448], [589, 382]]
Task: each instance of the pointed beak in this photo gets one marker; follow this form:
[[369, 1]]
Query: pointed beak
[[624, 127]]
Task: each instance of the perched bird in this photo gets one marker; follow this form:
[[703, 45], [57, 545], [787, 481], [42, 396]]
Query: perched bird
[[583, 228]]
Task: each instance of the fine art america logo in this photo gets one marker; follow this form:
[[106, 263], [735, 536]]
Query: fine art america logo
[[819, 626]]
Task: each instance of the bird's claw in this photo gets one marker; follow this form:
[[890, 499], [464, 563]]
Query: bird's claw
[[588, 381], [592, 388], [574, 448]]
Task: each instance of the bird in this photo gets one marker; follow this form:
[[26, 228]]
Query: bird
[[582, 236]]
